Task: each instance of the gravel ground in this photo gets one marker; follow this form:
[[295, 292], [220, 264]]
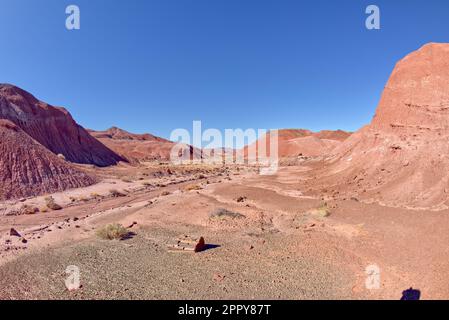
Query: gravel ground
[[243, 266]]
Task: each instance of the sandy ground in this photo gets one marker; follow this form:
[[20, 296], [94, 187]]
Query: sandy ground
[[281, 248]]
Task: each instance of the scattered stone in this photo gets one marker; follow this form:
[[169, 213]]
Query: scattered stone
[[132, 225], [201, 245], [241, 199], [218, 277], [223, 213], [188, 244], [14, 233]]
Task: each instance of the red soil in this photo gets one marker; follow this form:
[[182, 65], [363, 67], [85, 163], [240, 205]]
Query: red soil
[[28, 169]]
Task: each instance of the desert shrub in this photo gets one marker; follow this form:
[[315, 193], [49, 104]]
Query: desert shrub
[[95, 195], [322, 212], [51, 204], [113, 231], [192, 187], [224, 213], [116, 194], [83, 199], [241, 199], [26, 209]]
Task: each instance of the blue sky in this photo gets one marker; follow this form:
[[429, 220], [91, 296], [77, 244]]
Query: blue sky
[[156, 65]]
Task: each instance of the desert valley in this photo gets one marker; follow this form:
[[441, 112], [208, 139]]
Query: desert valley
[[112, 204]]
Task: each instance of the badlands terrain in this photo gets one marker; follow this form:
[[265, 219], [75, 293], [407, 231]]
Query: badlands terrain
[[340, 203]]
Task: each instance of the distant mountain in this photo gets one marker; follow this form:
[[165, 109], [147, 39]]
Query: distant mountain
[[139, 147], [301, 142]]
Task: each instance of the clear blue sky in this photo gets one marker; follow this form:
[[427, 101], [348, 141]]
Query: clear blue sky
[[156, 65]]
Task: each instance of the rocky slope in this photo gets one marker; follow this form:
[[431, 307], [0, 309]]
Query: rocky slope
[[53, 127], [402, 157], [27, 168]]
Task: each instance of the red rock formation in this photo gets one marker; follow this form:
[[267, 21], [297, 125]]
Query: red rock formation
[[402, 157], [28, 169], [53, 127], [300, 142], [138, 147]]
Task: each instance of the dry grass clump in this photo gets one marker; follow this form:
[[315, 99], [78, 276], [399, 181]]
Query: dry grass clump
[[192, 187], [113, 231], [116, 194], [83, 199], [26, 209], [224, 213], [95, 195], [51, 204], [321, 212]]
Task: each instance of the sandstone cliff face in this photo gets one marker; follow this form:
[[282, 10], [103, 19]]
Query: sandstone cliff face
[[416, 96], [53, 127], [28, 169], [402, 157]]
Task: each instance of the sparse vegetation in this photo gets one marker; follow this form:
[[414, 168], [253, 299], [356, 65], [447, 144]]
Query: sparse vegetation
[[322, 211], [113, 231], [51, 204], [192, 187], [224, 213]]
